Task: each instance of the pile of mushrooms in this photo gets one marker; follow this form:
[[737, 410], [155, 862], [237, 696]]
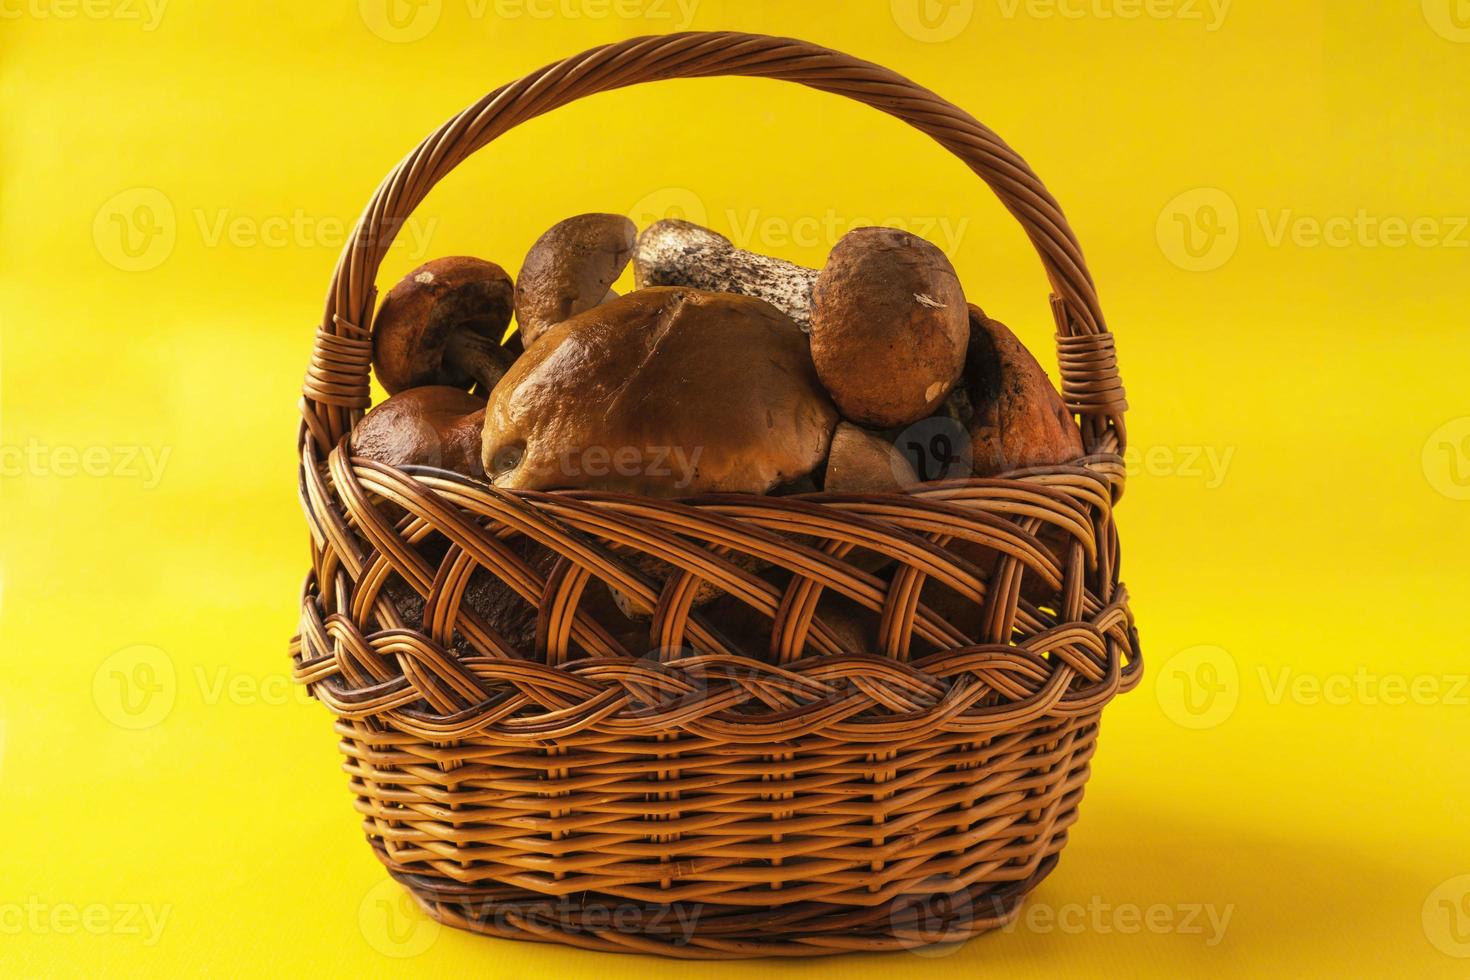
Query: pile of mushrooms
[[723, 370]]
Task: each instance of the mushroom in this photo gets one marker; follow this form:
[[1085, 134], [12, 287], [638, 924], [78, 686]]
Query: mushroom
[[886, 313], [665, 392], [442, 325], [889, 327], [570, 269], [1016, 419], [680, 253], [864, 462], [435, 425]]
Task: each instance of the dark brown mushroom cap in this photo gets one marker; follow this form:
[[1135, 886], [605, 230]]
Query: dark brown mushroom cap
[[570, 269], [442, 324], [431, 426], [888, 327], [666, 392], [1019, 420]]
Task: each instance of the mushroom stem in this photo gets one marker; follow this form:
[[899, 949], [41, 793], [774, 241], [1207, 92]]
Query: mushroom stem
[[476, 356], [428, 312], [680, 253], [864, 462]]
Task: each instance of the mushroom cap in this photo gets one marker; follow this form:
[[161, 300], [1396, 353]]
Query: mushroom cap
[[570, 269], [665, 392], [431, 426], [888, 327], [1019, 420], [864, 462], [420, 317]]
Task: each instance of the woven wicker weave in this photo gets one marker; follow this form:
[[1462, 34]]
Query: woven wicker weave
[[695, 797]]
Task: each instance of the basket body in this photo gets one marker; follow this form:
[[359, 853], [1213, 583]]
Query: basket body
[[761, 784], [967, 828]]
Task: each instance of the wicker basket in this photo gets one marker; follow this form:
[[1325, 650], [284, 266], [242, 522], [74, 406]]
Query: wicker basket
[[703, 799]]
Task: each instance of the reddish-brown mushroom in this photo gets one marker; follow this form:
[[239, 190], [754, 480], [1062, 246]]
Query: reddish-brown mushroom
[[431, 426], [888, 327], [1017, 419]]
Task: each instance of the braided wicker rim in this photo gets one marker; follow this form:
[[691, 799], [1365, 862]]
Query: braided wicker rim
[[794, 800]]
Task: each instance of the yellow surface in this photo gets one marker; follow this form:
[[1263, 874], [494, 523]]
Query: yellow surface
[[1287, 790]]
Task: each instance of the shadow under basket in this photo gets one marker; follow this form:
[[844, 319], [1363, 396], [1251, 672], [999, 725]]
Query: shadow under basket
[[709, 784]]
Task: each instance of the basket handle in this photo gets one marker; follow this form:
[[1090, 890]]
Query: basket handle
[[336, 387]]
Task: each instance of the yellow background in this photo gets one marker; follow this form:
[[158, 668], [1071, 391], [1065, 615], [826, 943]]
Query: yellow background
[[1295, 529]]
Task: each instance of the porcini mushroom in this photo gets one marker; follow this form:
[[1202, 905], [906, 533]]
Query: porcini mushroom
[[886, 313], [680, 253], [666, 392], [442, 325], [864, 462], [435, 425], [889, 327], [1017, 419], [570, 269]]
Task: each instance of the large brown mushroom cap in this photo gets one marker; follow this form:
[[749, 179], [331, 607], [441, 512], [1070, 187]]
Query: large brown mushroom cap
[[570, 269], [442, 324], [888, 327], [665, 392], [431, 426], [1019, 420]]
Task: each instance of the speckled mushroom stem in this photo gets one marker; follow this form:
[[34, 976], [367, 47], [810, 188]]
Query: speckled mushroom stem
[[680, 253]]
